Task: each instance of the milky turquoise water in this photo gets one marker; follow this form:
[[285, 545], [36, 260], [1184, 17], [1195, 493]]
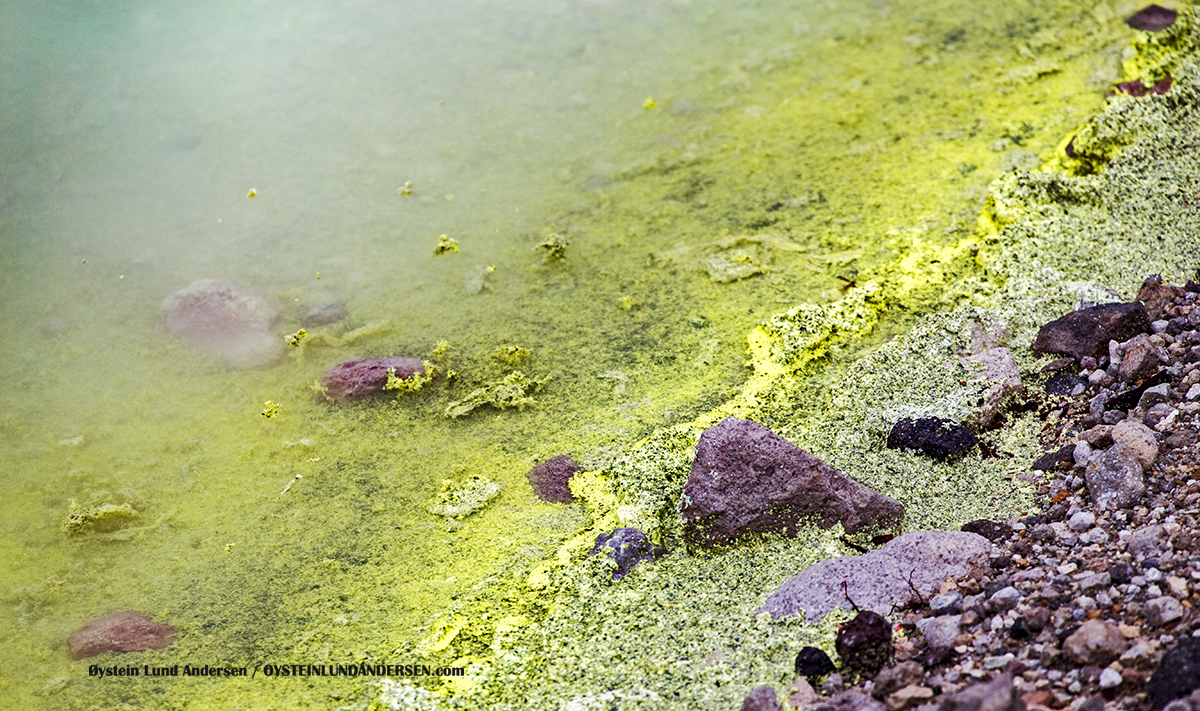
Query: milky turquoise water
[[131, 135]]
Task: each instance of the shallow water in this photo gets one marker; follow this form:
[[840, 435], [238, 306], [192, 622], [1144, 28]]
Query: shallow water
[[840, 136]]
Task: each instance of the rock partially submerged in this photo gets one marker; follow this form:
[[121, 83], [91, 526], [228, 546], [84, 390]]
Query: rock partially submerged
[[357, 378], [880, 579], [127, 631], [626, 547], [221, 318], [747, 479], [549, 479]]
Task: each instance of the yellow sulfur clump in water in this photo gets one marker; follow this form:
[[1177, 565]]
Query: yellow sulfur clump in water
[[457, 500], [100, 518], [513, 391]]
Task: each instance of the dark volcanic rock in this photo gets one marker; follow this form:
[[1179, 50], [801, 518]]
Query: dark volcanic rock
[[357, 378], [322, 314], [1177, 675], [1062, 384], [991, 530], [763, 698], [813, 663], [1062, 458], [1087, 332], [1152, 18], [932, 436], [127, 631], [1157, 296], [748, 479], [627, 547], [865, 643], [549, 479]]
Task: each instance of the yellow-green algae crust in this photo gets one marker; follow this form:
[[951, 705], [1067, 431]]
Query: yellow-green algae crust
[[324, 572], [679, 633]]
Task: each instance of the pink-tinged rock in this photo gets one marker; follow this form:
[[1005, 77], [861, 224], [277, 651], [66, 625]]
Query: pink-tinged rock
[[1152, 18], [357, 378], [747, 479], [549, 479], [127, 631], [877, 581], [225, 320]]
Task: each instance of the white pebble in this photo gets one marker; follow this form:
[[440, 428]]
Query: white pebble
[[1110, 679], [1083, 520]]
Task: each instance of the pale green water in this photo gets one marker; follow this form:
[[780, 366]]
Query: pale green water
[[131, 133]]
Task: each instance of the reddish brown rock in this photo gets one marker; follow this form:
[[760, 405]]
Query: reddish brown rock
[[747, 479], [763, 698], [1157, 296], [357, 378], [1152, 18], [127, 631], [221, 318], [1086, 332], [549, 479]]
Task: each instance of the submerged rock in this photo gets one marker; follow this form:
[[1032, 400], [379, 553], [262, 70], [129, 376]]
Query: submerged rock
[[357, 378], [1086, 332], [549, 479], [748, 479], [880, 579], [323, 314], [221, 318], [127, 631], [626, 547]]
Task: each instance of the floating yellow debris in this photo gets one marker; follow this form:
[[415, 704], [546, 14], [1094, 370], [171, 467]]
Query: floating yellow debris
[[252, 193], [445, 244], [405, 189]]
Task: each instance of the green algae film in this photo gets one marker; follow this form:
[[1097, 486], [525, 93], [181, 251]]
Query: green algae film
[[827, 133]]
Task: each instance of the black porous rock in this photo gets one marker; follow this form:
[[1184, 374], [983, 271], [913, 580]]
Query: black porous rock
[[1058, 460], [1177, 675], [991, 530], [1019, 630], [1121, 573], [1086, 332], [627, 547], [549, 479], [747, 479], [813, 663], [762, 699], [1152, 18], [932, 436], [1062, 384], [865, 643]]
